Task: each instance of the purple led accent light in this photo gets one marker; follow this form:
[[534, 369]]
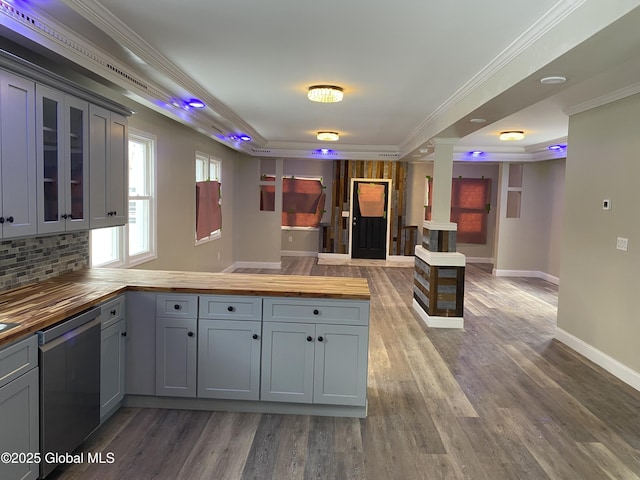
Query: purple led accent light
[[557, 147], [196, 103]]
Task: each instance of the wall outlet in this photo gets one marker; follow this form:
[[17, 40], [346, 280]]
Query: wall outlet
[[622, 244], [606, 204], [218, 255], [290, 239]]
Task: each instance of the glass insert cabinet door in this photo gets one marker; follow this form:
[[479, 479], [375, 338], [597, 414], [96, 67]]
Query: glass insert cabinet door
[[62, 161]]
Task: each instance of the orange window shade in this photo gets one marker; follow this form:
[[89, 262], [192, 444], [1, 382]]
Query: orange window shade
[[208, 209]]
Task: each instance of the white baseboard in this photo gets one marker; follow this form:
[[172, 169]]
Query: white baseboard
[[297, 253], [274, 265], [527, 273], [437, 322], [610, 364], [334, 256], [479, 260]]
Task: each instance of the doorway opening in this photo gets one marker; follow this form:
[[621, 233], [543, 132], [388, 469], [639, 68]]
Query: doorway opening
[[369, 218]]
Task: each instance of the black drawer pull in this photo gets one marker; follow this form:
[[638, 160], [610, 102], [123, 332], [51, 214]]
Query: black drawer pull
[[309, 339], [113, 312], [177, 307], [255, 336], [190, 334], [316, 312], [231, 308], [320, 339], [124, 334]]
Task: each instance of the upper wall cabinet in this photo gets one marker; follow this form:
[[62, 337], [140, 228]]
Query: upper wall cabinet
[[17, 156], [108, 147], [62, 161]]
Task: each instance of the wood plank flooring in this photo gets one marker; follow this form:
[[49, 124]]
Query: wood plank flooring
[[500, 400]]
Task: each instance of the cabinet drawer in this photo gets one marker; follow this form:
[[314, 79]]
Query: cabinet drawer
[[112, 311], [347, 312], [230, 307], [178, 306], [18, 358]]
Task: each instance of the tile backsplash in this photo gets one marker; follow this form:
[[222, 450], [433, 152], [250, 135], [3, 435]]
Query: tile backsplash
[[29, 260]]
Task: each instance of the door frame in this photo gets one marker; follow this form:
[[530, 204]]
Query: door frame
[[388, 209]]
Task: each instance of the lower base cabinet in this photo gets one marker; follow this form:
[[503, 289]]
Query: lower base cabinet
[[307, 363], [19, 433], [112, 367], [229, 359], [176, 357]]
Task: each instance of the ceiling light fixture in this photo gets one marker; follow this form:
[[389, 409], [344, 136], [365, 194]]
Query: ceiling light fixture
[[196, 103], [478, 120], [559, 146], [554, 80], [325, 93], [328, 136], [511, 135]]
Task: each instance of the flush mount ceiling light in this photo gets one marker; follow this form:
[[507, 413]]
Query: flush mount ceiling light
[[555, 80], [512, 135], [195, 103], [325, 93], [478, 120], [328, 136]]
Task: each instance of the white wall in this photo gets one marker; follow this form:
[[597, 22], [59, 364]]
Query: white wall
[[599, 287], [176, 147], [530, 244]]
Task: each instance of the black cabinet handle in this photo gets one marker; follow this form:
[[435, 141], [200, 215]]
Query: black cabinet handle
[[176, 307], [113, 312], [64, 216], [10, 219], [190, 334], [230, 308], [70, 216], [320, 339], [124, 334], [316, 312], [1, 220], [255, 336], [309, 339]]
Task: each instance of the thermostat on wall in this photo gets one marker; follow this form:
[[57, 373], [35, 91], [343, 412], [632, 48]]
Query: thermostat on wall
[[606, 204]]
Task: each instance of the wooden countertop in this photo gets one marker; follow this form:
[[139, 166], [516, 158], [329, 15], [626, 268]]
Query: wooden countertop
[[42, 304]]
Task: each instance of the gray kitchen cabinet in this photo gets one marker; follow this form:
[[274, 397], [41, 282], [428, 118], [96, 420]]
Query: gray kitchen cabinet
[[229, 359], [176, 345], [113, 344], [19, 406], [315, 351], [62, 161], [108, 161], [141, 343], [229, 341], [18, 208]]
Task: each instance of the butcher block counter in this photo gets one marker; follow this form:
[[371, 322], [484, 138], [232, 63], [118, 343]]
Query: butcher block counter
[[42, 304]]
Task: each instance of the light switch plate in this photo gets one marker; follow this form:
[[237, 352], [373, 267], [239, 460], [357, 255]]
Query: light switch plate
[[622, 244], [606, 204]]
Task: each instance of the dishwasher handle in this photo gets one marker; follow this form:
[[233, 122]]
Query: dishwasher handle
[[59, 329]]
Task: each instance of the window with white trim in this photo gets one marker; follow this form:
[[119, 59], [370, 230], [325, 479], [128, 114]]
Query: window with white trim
[[208, 169], [135, 242]]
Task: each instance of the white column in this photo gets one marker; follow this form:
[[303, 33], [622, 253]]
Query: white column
[[442, 174]]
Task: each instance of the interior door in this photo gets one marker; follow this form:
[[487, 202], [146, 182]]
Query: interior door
[[369, 220]]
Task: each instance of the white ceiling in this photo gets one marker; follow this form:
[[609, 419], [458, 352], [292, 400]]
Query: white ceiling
[[411, 69]]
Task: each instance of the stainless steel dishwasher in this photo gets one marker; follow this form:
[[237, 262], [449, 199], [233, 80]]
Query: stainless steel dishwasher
[[69, 355]]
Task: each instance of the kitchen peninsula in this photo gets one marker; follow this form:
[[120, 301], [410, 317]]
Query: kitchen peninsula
[[295, 344]]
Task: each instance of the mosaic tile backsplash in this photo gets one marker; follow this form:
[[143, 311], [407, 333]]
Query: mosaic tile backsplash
[[29, 260]]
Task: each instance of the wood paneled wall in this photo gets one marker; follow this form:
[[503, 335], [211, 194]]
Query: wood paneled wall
[[335, 237]]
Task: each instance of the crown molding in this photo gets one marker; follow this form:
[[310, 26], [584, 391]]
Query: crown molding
[[604, 99], [552, 17]]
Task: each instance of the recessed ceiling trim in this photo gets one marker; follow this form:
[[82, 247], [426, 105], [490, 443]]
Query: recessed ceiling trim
[[604, 99]]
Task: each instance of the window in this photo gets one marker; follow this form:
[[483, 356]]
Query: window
[[208, 198], [135, 242], [469, 208], [302, 200]]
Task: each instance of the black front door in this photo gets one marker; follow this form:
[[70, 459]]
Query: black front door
[[369, 222]]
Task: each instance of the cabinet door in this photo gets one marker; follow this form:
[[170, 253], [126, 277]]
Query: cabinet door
[[112, 367], [287, 362], [229, 359], [49, 153], [20, 424], [99, 125], [76, 164], [176, 347], [117, 193], [17, 156], [341, 356]]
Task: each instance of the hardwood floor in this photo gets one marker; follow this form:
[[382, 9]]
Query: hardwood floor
[[500, 400]]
